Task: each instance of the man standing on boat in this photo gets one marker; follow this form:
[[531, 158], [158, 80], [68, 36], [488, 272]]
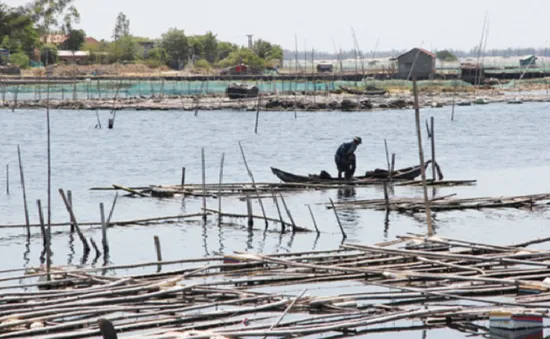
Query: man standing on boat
[[345, 158]]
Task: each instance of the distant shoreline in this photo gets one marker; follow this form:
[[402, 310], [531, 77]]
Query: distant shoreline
[[284, 102]]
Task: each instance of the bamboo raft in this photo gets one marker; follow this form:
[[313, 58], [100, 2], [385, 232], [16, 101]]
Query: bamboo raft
[[446, 203], [240, 189], [441, 282]]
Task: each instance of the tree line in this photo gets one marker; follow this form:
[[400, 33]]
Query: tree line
[[21, 29]]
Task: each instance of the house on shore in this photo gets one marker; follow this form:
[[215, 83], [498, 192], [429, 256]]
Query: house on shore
[[417, 61]]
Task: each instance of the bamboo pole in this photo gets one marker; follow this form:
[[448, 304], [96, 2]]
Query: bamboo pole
[[257, 113], [288, 213], [283, 225], [48, 132], [104, 241], [220, 190], [313, 219], [338, 219], [286, 311], [249, 212], [112, 210], [182, 177], [203, 184], [158, 251], [27, 222], [70, 198], [253, 183], [98, 120], [42, 225], [387, 154], [421, 158], [73, 219], [8, 179], [434, 178]]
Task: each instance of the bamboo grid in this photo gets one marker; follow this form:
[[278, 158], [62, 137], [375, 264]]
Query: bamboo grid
[[439, 282]]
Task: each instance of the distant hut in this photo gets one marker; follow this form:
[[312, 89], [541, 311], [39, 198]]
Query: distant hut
[[420, 59], [528, 61], [472, 73]]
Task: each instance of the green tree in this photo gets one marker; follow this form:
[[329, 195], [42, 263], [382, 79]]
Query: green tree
[[48, 15], [17, 32], [246, 56], [176, 45], [20, 59], [267, 51], [122, 26], [48, 54], [124, 49], [196, 46], [224, 49], [158, 53], [210, 47], [446, 55], [75, 40]]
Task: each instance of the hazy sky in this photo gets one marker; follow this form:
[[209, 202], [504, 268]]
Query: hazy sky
[[396, 24]]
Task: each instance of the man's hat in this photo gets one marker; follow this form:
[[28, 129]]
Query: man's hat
[[358, 140]]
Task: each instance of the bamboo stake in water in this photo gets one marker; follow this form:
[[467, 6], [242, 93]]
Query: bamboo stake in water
[[42, 226], [70, 198], [203, 185], [421, 156], [313, 218], [220, 191], [104, 241], [453, 106], [433, 147], [98, 121], [111, 211], [159, 253], [182, 177], [24, 192], [49, 159], [253, 184], [392, 168], [288, 213], [338, 219], [73, 219], [283, 225], [8, 179], [387, 154], [249, 211]]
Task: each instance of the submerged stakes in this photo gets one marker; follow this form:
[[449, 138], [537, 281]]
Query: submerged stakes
[[415, 279]]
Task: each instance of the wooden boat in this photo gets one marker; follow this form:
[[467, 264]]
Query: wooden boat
[[408, 173], [368, 91], [239, 91]]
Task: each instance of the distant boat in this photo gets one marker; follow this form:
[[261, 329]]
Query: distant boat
[[481, 101], [464, 103], [240, 91], [515, 101]]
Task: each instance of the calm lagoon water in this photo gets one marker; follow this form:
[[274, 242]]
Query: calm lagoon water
[[504, 147]]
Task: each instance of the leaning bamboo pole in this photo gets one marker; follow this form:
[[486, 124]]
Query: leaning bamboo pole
[[421, 157]]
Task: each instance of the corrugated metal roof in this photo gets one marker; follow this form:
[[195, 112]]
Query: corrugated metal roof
[[64, 54]]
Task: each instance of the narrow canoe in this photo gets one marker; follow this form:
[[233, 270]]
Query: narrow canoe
[[408, 173]]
